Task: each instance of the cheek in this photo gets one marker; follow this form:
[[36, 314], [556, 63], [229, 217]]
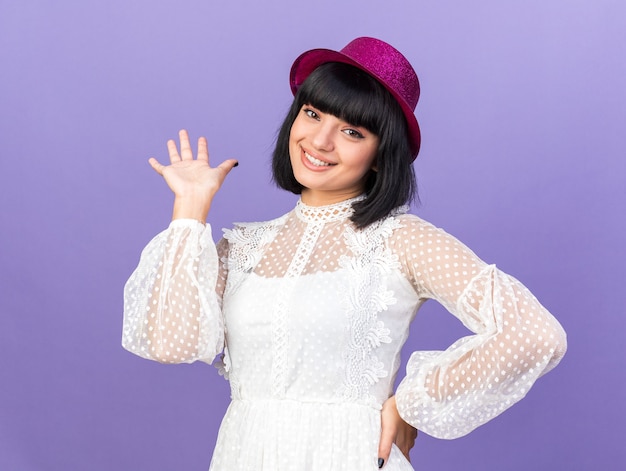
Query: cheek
[[296, 129], [365, 161]]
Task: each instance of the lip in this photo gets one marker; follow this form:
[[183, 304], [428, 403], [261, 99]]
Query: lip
[[311, 166]]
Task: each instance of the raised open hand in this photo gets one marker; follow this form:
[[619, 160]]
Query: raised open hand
[[193, 181]]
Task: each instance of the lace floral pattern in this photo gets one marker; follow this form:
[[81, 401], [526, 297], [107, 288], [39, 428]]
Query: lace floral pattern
[[311, 314], [368, 296], [246, 248]]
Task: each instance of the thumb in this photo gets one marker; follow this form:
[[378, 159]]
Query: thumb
[[228, 165], [156, 165], [387, 436]]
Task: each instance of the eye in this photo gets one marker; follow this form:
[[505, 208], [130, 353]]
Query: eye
[[354, 133], [310, 113]]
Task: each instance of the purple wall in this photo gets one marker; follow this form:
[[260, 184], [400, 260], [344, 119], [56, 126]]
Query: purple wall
[[523, 112]]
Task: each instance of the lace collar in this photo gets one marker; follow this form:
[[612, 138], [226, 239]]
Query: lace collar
[[329, 213]]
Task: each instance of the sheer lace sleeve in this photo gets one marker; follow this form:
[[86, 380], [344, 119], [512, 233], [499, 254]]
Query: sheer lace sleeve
[[172, 300], [449, 393]]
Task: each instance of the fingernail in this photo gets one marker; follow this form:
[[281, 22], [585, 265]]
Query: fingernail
[[381, 462], [236, 164]]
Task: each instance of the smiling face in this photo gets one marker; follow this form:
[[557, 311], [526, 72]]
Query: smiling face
[[330, 157]]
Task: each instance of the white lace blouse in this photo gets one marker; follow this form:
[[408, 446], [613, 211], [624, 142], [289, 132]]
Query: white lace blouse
[[308, 309]]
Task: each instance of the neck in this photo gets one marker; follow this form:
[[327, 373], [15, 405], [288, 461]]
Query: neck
[[323, 198]]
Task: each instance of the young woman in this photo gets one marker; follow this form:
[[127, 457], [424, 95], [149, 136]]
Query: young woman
[[309, 311]]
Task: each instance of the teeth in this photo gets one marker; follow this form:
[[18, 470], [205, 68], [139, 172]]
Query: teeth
[[316, 162]]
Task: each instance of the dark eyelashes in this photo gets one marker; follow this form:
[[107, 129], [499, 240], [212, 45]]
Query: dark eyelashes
[[354, 133], [315, 115], [310, 113]]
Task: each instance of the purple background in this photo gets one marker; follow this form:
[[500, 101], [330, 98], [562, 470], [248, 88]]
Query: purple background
[[523, 113]]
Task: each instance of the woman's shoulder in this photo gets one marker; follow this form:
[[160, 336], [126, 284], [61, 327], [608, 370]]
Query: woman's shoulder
[[411, 223], [410, 227]]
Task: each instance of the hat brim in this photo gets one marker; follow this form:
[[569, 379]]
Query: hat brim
[[308, 61]]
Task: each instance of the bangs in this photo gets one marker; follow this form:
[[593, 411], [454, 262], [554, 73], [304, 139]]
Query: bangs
[[347, 93], [357, 98]]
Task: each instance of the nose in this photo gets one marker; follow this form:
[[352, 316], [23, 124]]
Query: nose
[[323, 137]]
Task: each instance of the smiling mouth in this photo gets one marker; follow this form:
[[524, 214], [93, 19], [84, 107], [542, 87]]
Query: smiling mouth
[[317, 162]]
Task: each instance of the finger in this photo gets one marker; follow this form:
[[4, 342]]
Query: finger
[[173, 151], [387, 436], [154, 163], [203, 149], [228, 165], [185, 148]]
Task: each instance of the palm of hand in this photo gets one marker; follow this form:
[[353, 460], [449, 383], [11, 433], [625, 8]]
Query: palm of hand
[[193, 177], [193, 181]]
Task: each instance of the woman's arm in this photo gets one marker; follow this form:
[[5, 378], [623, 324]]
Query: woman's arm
[[172, 300], [515, 339]]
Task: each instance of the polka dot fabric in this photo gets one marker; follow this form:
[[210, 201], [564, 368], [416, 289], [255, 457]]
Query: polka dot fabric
[[308, 316], [165, 299]]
